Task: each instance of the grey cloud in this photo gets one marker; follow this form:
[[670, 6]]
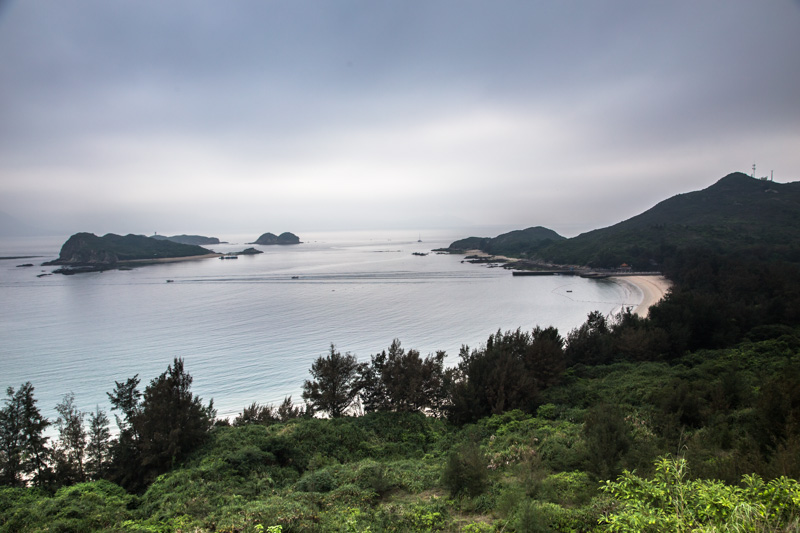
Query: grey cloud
[[473, 98]]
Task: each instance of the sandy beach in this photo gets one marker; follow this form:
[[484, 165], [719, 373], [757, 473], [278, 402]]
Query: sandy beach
[[653, 289], [484, 255]]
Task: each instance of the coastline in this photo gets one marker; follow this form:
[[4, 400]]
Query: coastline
[[168, 259], [652, 288]]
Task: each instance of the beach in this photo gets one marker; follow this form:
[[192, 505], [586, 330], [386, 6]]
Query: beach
[[653, 289]]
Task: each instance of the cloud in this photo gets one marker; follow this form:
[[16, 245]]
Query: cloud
[[517, 113]]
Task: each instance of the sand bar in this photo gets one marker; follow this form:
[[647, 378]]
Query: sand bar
[[653, 289], [168, 259]]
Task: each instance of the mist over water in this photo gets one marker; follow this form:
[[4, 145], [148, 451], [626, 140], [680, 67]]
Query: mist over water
[[250, 328]]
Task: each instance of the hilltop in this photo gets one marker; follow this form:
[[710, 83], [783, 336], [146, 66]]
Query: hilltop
[[736, 213]]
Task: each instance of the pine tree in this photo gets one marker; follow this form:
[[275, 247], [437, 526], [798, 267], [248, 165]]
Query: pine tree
[[336, 383], [23, 447], [99, 445], [70, 450]]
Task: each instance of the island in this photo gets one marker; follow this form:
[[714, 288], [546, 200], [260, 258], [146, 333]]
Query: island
[[86, 252], [198, 240], [235, 255], [271, 238]]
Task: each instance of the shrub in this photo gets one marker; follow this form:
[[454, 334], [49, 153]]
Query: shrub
[[466, 471]]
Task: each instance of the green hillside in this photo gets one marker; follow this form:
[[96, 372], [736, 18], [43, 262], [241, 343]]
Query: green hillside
[[736, 213], [516, 243]]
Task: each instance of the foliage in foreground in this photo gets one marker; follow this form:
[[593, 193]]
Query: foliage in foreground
[[671, 502]]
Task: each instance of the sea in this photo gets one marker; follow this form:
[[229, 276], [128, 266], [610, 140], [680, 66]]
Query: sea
[[249, 329]]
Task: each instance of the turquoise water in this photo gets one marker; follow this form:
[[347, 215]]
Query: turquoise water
[[247, 330]]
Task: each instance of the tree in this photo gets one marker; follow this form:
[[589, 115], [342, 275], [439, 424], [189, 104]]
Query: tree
[[495, 379], [256, 413], [590, 343], [23, 447], [71, 447], [159, 431], [98, 447], [125, 452], [173, 422], [607, 440], [126, 398], [11, 441], [336, 383], [544, 357], [402, 381], [287, 410], [267, 415]]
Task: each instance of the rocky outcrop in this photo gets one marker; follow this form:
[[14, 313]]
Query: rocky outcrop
[[249, 251], [271, 238]]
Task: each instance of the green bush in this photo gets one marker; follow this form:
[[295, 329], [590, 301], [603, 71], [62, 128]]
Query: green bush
[[466, 471], [670, 502], [324, 480]]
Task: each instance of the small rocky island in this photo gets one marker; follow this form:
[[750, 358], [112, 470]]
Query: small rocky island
[[246, 251], [271, 238], [198, 240], [86, 252]]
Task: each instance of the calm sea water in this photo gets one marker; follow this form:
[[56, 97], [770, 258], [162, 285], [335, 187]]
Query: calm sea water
[[247, 330]]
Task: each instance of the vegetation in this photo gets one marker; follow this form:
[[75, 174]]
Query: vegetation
[[688, 420], [706, 441], [517, 243], [738, 214], [735, 215]]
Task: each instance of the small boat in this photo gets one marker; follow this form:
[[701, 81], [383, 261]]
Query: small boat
[[170, 281], [295, 277]]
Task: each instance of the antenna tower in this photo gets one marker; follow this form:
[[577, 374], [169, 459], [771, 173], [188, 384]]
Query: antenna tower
[[754, 171]]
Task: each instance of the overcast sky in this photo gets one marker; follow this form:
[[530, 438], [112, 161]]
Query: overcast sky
[[250, 116]]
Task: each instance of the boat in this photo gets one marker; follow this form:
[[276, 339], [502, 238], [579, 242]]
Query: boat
[[170, 281]]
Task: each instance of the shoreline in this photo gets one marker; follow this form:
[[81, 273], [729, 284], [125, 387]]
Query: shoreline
[[168, 259], [652, 288]]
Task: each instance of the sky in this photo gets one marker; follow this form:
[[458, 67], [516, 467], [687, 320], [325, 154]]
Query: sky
[[249, 116]]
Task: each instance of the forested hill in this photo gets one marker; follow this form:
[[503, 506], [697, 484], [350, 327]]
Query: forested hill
[[736, 213], [89, 249], [517, 243]]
